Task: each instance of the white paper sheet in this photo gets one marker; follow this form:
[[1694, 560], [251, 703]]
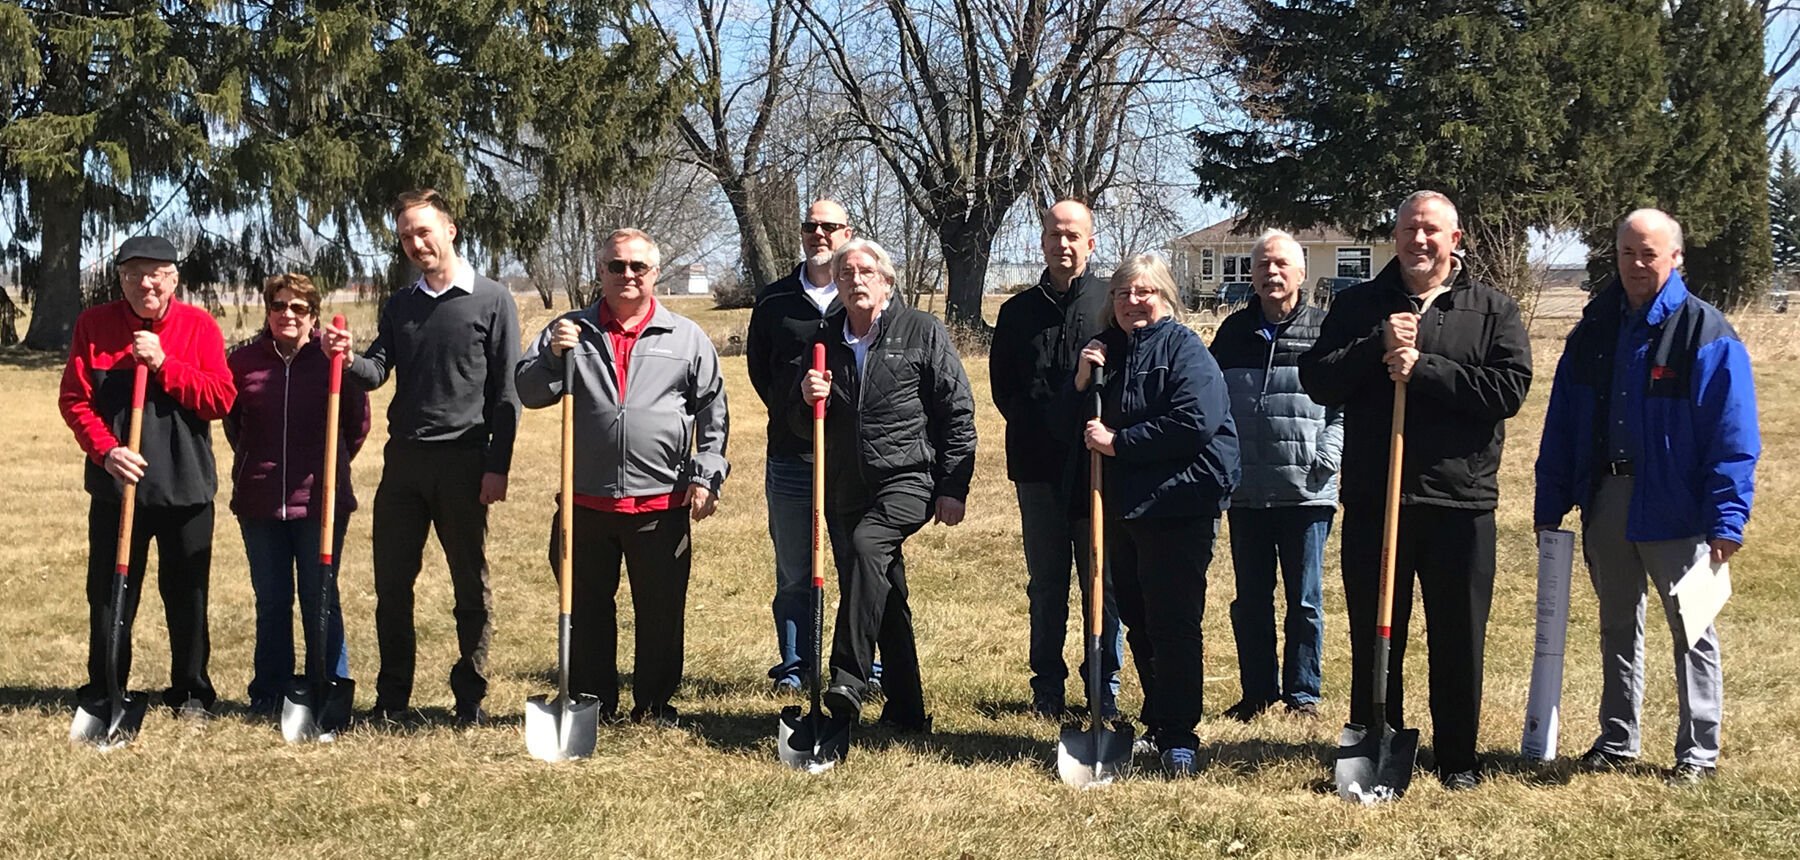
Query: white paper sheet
[[1699, 596]]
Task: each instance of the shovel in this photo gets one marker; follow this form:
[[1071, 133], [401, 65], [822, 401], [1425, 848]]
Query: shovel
[[563, 728], [812, 742], [1100, 753], [124, 714], [1375, 765], [317, 705]]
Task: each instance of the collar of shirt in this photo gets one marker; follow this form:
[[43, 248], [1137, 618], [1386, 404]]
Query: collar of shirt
[[464, 280], [860, 345], [820, 295], [611, 322]]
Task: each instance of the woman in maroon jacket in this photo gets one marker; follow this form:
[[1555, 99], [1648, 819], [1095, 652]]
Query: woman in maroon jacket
[[277, 432]]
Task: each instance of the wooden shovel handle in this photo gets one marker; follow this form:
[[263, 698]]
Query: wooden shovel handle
[[328, 505], [1390, 518]]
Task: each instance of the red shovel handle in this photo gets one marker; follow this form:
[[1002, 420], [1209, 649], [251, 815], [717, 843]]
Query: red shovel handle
[[140, 381], [328, 505]]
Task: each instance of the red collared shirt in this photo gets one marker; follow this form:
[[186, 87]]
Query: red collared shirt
[[622, 340]]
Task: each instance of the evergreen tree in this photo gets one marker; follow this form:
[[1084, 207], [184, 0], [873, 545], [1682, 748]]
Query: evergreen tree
[[1513, 109], [312, 116], [1784, 213], [1713, 176]]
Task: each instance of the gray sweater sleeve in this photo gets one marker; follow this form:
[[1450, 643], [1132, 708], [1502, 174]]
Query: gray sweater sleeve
[[706, 401]]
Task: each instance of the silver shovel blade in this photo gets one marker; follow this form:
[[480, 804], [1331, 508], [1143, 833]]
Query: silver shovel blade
[[305, 719], [558, 729], [1085, 758], [813, 743], [1375, 766], [96, 725]]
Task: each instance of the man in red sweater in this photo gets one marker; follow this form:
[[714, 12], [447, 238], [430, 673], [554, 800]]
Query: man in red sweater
[[189, 386]]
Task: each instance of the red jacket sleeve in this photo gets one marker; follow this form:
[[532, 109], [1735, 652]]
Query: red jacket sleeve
[[194, 371], [75, 397]]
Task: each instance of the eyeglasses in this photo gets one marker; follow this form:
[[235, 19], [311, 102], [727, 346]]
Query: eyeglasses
[[1134, 295], [296, 307], [820, 226], [637, 267]]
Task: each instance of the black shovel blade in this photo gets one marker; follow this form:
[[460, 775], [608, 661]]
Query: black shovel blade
[[811, 742], [1375, 766], [99, 726], [311, 714]]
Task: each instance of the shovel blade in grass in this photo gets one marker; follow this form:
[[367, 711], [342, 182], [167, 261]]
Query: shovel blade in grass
[[1086, 757], [1375, 766], [312, 712], [559, 729], [811, 742], [104, 726]]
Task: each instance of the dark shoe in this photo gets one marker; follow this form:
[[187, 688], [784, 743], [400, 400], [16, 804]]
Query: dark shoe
[[265, 708], [1685, 775], [383, 717], [789, 685], [1304, 710], [470, 716], [1179, 761], [1462, 780], [920, 726], [1048, 709], [1247, 710], [1601, 761], [842, 702], [662, 716]]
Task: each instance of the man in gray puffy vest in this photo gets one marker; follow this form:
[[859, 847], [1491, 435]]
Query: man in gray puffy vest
[[1289, 448]]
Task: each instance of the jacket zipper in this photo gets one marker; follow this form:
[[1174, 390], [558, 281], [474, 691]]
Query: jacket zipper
[[287, 368]]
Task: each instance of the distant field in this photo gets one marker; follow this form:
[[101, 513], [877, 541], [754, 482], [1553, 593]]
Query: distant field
[[982, 786]]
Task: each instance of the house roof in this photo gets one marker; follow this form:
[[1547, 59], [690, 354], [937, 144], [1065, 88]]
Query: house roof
[[1225, 233]]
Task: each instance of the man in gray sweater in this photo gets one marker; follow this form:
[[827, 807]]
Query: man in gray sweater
[[1289, 448], [450, 340], [650, 429]]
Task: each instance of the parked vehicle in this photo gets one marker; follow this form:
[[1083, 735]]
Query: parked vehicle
[[1326, 289]]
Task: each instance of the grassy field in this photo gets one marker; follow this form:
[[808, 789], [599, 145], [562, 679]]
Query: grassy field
[[982, 786]]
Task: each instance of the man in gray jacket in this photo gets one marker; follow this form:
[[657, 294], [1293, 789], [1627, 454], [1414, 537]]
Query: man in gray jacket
[[1289, 448], [650, 428]]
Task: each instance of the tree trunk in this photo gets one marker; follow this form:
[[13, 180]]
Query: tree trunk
[[966, 250], [56, 297], [9, 320], [754, 246]]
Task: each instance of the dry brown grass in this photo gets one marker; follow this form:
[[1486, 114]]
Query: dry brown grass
[[982, 786]]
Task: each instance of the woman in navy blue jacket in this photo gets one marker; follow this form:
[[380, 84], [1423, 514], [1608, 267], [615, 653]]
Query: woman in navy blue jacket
[[1171, 462], [277, 434]]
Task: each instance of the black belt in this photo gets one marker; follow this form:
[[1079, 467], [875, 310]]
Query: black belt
[[1617, 468]]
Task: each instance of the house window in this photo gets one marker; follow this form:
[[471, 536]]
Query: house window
[[1206, 264], [1231, 267], [1354, 263]]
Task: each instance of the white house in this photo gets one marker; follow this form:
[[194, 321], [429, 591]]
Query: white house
[[1211, 257]]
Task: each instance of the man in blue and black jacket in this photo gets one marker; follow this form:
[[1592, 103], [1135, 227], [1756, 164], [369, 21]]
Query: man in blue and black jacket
[[1652, 432]]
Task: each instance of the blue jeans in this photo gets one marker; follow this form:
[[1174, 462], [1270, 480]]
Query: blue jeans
[[277, 549], [787, 486], [1052, 540], [1294, 535]]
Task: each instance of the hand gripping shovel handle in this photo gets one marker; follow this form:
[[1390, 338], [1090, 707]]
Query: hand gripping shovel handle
[[122, 555], [1390, 534], [818, 546], [328, 517], [565, 524]]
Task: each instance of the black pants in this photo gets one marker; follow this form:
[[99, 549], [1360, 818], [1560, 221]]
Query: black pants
[[426, 485], [868, 525], [1452, 552], [1159, 567], [183, 571], [658, 557]]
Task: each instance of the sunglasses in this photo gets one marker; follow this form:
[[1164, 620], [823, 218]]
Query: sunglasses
[[296, 307], [820, 226], [637, 267]]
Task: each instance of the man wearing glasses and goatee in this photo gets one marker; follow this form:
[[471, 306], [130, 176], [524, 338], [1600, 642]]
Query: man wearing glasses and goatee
[[650, 428], [789, 315], [450, 339]]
